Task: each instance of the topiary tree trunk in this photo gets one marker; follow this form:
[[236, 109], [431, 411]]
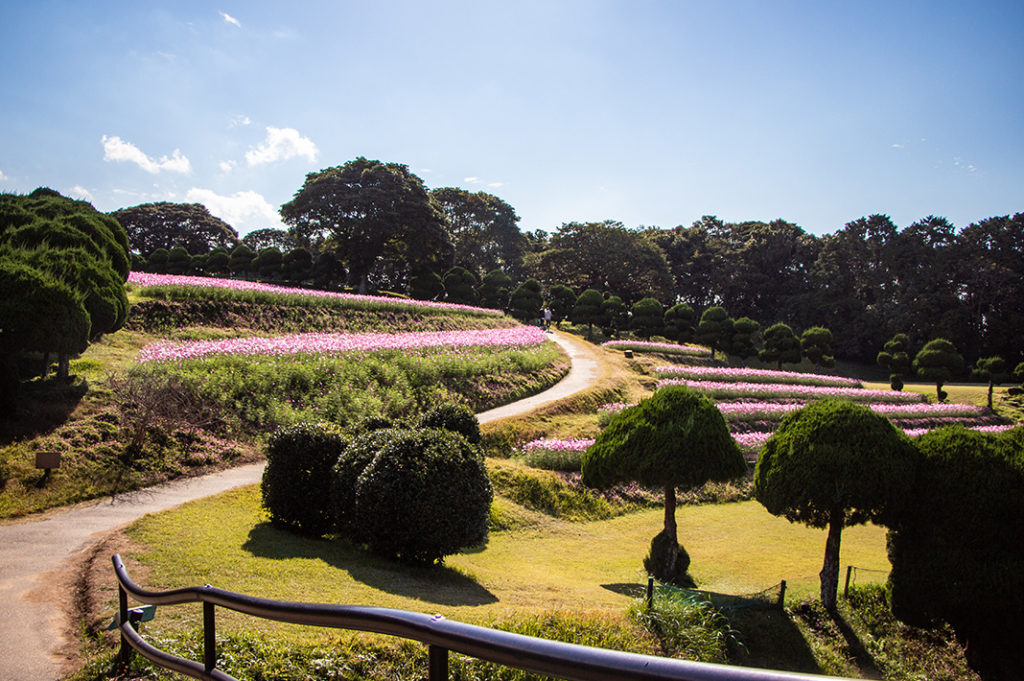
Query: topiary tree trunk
[[829, 575]]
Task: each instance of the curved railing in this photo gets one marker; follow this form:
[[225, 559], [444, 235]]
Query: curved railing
[[541, 656]]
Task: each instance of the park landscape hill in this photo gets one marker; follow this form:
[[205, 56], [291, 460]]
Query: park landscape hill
[[201, 373]]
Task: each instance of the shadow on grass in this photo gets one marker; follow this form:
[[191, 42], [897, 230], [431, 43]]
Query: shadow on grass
[[43, 405], [769, 639], [437, 584], [631, 590]]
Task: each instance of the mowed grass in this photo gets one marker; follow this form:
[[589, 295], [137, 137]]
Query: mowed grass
[[226, 541]]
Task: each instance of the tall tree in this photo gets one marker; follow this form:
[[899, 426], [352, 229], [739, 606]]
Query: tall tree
[[676, 438], [258, 239], [370, 212], [607, 257], [165, 225], [483, 229], [834, 464]]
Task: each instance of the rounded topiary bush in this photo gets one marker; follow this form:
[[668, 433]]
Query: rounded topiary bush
[[424, 496], [454, 417], [297, 480], [350, 465]]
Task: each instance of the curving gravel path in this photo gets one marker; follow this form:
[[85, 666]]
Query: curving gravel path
[[33, 551]]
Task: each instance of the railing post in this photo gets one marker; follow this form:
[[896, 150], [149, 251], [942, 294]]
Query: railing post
[[209, 638], [782, 594], [124, 655], [650, 593], [438, 663], [846, 589]]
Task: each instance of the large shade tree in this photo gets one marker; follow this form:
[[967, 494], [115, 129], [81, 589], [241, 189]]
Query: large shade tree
[[165, 225], [955, 549], [483, 229], [830, 465], [676, 438], [371, 213]]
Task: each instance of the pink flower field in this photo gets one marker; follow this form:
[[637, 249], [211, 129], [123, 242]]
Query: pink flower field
[[338, 343], [735, 390], [144, 279], [648, 346]]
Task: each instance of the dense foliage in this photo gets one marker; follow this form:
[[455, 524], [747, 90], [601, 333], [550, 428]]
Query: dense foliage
[[956, 550], [834, 464], [296, 483], [165, 225]]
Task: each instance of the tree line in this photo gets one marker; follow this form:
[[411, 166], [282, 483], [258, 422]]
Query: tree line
[[381, 229]]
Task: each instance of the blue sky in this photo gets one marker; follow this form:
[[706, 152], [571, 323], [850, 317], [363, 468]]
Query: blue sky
[[652, 113]]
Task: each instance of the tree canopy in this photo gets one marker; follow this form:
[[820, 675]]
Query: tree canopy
[[63, 266], [780, 345], [372, 214], [150, 226], [483, 229], [834, 464], [938, 361]]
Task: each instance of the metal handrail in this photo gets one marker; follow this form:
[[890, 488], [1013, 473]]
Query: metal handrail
[[552, 658]]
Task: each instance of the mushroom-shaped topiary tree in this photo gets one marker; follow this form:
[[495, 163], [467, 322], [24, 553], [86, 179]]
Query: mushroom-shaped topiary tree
[[780, 345], [677, 438], [937, 361], [588, 310], [816, 345], [648, 317], [992, 370], [715, 328], [895, 356], [833, 464]]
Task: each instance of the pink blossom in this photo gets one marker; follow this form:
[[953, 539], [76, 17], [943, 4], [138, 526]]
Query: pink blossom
[[641, 346], [701, 373], [144, 279], [568, 445], [337, 343], [725, 389]]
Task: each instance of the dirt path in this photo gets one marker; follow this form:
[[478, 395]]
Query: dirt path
[[34, 554]]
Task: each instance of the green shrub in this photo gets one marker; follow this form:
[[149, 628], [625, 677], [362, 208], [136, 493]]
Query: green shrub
[[424, 496], [454, 417], [297, 480], [350, 465], [692, 631]]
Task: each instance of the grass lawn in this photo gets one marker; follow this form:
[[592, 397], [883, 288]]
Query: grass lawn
[[226, 541]]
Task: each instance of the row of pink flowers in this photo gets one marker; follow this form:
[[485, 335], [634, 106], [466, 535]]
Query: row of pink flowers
[[650, 346], [147, 279], [725, 389], [701, 373], [756, 411], [337, 343]]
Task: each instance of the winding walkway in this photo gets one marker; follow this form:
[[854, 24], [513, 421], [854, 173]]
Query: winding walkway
[[34, 551]]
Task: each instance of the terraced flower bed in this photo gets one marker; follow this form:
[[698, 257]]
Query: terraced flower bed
[[662, 348], [341, 343], [728, 390], [745, 375]]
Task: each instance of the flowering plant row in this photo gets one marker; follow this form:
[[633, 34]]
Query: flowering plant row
[[145, 280], [338, 343], [648, 346], [571, 445], [734, 390], [726, 374]]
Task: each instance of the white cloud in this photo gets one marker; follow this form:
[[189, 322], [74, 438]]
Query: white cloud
[[896, 146], [471, 180], [244, 211], [3, 177], [495, 185], [80, 192], [282, 144], [230, 19], [117, 149], [227, 166], [239, 120]]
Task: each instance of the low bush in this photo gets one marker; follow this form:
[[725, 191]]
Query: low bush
[[296, 483], [454, 417], [425, 495], [350, 465]]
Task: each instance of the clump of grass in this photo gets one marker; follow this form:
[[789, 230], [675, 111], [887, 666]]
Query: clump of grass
[[685, 629], [546, 492]]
